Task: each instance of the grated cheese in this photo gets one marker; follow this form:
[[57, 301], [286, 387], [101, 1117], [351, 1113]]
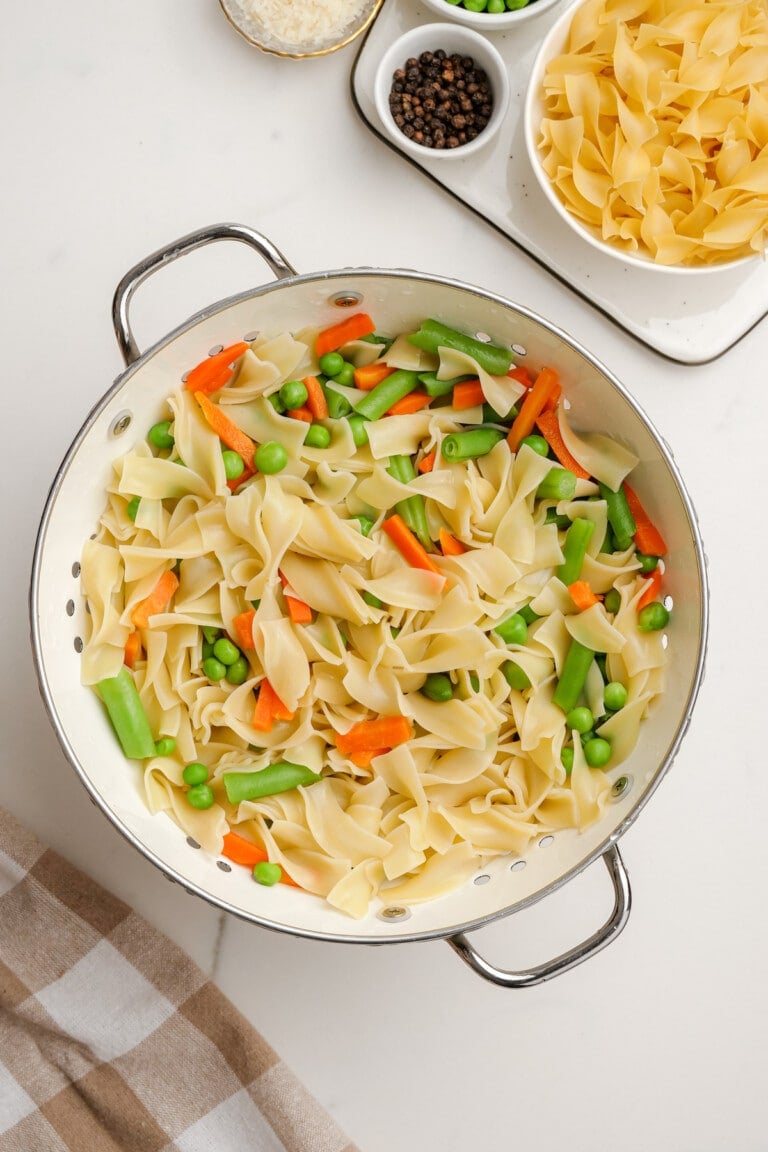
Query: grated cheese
[[303, 22]]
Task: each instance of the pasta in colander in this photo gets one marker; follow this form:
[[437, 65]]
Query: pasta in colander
[[380, 625]]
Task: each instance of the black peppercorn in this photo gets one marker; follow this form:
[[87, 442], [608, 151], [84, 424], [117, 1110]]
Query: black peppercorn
[[440, 100]]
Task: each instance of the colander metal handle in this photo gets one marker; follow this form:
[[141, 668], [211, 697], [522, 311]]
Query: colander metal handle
[[599, 940], [144, 269]]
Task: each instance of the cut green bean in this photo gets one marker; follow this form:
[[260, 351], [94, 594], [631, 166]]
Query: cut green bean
[[577, 538], [573, 676], [558, 484], [338, 405], [280, 777], [528, 614], [434, 387], [412, 508], [381, 398], [126, 711], [470, 445], [432, 335], [515, 676], [372, 601], [366, 524], [491, 416], [554, 517], [359, 430], [620, 518]]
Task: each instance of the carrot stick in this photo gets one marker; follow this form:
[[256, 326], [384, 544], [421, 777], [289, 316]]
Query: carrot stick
[[369, 375], [373, 735], [467, 394], [301, 414], [132, 649], [549, 426], [157, 599], [269, 707], [316, 401], [352, 328], [427, 463], [449, 544], [534, 403], [550, 404], [407, 544], [363, 759], [214, 372], [298, 610], [648, 539], [582, 595], [226, 431], [521, 374], [413, 402], [233, 485], [652, 589], [243, 625], [241, 851]]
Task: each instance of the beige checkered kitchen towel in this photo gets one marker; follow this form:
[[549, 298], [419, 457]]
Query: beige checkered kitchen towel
[[112, 1040]]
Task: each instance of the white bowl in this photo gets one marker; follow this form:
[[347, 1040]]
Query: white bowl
[[450, 38], [490, 21], [551, 46]]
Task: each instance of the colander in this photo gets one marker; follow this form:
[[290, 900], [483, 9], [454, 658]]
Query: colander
[[398, 299]]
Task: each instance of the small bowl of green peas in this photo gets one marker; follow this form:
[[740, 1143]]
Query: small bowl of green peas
[[490, 15]]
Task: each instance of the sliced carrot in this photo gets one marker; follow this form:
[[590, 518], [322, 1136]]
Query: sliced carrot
[[449, 545], [269, 707], [427, 463], [521, 374], [316, 401], [648, 539], [132, 650], [351, 328], [233, 485], [298, 610], [652, 589], [243, 626], [211, 374], [373, 735], [552, 401], [241, 851], [413, 402], [363, 759], [549, 426], [369, 375], [157, 599], [534, 402], [582, 595], [467, 394], [301, 414], [408, 545], [226, 431]]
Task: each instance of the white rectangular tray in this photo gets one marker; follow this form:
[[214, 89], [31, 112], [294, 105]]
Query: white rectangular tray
[[689, 319]]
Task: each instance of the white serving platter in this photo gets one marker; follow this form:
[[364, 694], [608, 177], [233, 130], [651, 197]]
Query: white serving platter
[[691, 319]]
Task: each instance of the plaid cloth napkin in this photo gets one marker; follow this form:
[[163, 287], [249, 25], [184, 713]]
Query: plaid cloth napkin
[[112, 1040]]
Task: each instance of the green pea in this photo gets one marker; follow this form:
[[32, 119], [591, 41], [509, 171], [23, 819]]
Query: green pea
[[437, 687], [293, 394], [513, 5], [359, 430], [207, 649], [612, 601], [133, 507], [366, 524], [474, 681], [317, 436], [276, 402], [537, 443], [214, 669], [580, 718], [270, 457], [653, 617], [346, 375], [195, 773], [200, 796], [496, 6], [372, 600], [237, 673], [394, 632], [165, 746], [597, 752], [615, 696], [647, 563], [331, 363], [225, 651], [513, 630], [234, 465], [267, 873], [160, 435], [475, 5], [566, 759], [515, 676]]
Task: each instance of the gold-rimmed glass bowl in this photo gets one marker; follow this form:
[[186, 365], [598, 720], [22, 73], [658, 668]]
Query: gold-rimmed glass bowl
[[255, 32]]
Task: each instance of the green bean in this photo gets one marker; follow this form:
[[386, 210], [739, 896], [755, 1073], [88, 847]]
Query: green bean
[[620, 518], [126, 712], [377, 338], [359, 430], [528, 614], [280, 777], [338, 405], [133, 507], [512, 630], [195, 773], [474, 682], [577, 538], [554, 517], [381, 398], [573, 675], [434, 387], [566, 759], [558, 484], [491, 416], [437, 687], [432, 335], [366, 524], [211, 633], [653, 617], [412, 508], [471, 444], [372, 601], [515, 676], [267, 873]]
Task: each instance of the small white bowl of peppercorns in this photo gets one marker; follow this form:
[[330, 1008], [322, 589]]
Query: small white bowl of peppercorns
[[441, 90]]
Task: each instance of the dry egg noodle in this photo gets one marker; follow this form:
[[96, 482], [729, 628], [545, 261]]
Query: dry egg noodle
[[482, 775], [656, 126]]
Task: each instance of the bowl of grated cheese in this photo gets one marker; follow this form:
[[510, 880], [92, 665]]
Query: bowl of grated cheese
[[299, 29]]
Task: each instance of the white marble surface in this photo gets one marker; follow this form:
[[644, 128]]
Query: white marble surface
[[126, 126]]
